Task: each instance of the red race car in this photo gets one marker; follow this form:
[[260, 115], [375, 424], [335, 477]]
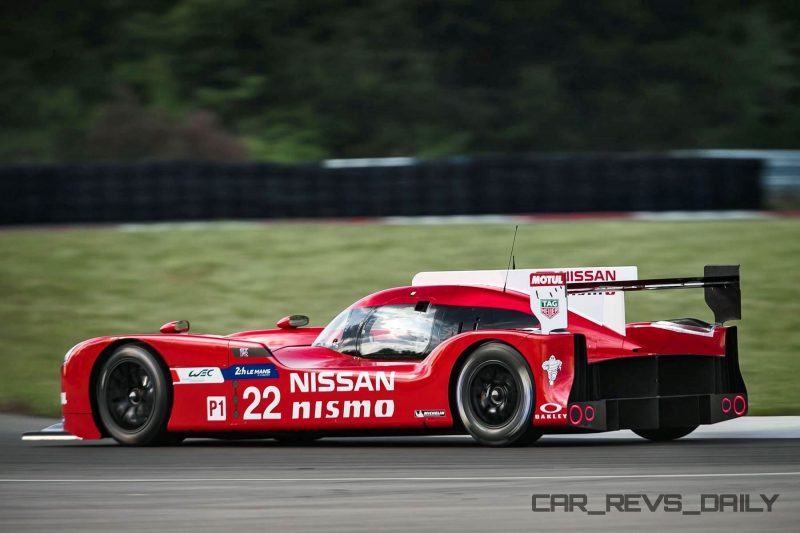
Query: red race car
[[502, 355]]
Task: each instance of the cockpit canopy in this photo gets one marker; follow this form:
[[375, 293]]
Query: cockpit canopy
[[412, 330]]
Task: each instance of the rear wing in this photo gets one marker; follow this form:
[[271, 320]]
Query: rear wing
[[721, 283], [597, 293], [549, 292]]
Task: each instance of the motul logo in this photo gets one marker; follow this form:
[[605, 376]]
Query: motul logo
[[546, 279]]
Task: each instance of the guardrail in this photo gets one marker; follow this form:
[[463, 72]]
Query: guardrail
[[781, 171], [406, 187]]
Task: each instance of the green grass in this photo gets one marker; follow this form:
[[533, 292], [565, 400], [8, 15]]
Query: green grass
[[61, 286]]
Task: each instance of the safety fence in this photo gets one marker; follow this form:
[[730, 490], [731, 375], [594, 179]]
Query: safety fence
[[162, 191]]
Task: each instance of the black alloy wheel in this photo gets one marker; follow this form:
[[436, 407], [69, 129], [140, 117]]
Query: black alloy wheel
[[133, 397], [494, 393], [495, 396], [130, 395]]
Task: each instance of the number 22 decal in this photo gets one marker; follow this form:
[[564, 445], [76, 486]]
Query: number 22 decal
[[257, 395]]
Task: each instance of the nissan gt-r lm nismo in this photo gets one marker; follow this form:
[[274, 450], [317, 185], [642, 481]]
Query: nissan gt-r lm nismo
[[505, 356]]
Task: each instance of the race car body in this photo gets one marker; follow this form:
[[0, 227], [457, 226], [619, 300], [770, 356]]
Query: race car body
[[502, 355]]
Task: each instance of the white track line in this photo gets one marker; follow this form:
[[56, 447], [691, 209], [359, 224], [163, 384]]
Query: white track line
[[386, 479]]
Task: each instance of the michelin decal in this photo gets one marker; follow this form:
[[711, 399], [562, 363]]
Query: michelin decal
[[552, 367]]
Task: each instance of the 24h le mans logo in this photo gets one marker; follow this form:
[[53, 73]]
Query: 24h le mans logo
[[549, 307]]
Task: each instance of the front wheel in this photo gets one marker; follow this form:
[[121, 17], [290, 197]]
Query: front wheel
[[495, 396], [664, 434], [133, 397]]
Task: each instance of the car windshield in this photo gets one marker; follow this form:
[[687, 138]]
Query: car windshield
[[332, 334], [384, 331], [405, 330], [397, 330]]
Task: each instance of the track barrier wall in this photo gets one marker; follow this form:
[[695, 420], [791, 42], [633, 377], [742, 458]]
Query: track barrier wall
[[165, 191]]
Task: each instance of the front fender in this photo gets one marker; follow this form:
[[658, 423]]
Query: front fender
[[79, 371]]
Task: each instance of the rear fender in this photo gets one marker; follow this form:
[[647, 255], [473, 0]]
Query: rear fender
[[537, 350]]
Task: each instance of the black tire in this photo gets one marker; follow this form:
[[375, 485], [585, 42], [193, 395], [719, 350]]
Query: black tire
[[133, 398], [664, 434], [495, 396]]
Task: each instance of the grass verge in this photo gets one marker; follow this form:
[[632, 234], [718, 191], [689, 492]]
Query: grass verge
[[61, 286]]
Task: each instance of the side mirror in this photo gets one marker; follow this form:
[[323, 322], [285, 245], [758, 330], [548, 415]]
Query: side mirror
[[177, 326], [292, 321]]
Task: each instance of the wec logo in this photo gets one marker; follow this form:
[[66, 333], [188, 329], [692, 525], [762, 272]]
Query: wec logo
[[194, 375]]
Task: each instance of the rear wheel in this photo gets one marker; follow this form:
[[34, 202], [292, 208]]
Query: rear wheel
[[664, 434], [495, 396], [133, 397]]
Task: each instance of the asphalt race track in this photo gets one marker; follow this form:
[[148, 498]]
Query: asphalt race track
[[398, 484]]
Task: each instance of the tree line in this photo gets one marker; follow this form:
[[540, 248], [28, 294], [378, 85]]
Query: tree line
[[296, 81]]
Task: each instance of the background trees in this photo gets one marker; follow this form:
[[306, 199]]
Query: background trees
[[292, 81]]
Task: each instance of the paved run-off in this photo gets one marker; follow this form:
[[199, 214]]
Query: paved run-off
[[394, 484]]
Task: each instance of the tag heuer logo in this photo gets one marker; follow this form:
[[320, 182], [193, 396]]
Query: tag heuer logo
[[549, 307]]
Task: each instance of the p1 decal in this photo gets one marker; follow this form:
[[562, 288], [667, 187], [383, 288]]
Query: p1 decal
[[193, 375], [215, 409], [267, 371]]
